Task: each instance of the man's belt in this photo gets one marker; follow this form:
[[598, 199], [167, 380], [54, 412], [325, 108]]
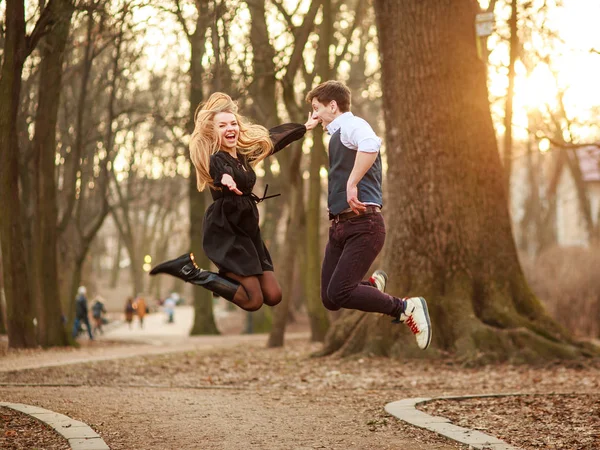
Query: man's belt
[[371, 209]]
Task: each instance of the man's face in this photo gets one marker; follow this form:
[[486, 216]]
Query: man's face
[[324, 113]]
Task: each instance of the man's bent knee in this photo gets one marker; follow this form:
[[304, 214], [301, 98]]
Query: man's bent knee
[[336, 299], [328, 304]]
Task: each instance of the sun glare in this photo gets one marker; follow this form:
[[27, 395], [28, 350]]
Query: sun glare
[[573, 69], [536, 89]]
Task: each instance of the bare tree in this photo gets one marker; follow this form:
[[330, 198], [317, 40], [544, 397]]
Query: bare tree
[[508, 110], [2, 299], [290, 161], [49, 313], [18, 46], [86, 176], [204, 322]]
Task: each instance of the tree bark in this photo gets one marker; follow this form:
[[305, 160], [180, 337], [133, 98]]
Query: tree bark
[[449, 235], [204, 320], [19, 308], [50, 329], [508, 111], [317, 314], [281, 311], [2, 299], [116, 268], [290, 164], [264, 111]]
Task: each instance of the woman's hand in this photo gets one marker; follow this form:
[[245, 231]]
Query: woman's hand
[[227, 180], [312, 122]]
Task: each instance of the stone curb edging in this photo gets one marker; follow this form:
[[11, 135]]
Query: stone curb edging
[[79, 435], [406, 410]]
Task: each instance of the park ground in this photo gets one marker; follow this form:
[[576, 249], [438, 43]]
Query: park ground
[[157, 388]]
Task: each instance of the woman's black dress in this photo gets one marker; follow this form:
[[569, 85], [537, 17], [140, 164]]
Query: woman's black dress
[[231, 235]]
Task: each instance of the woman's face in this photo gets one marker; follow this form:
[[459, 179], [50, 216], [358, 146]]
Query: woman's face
[[228, 130]]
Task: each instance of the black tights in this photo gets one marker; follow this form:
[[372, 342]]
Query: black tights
[[256, 290]]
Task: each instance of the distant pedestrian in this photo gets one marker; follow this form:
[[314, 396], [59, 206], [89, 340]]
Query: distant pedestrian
[[129, 311], [81, 313], [141, 309], [98, 310], [169, 307]]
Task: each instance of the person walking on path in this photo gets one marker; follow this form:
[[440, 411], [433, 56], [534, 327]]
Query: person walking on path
[[357, 231], [141, 309], [224, 148], [169, 308], [81, 313], [129, 311], [97, 310]]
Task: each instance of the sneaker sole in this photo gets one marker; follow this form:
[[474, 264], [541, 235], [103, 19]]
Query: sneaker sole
[[426, 311]]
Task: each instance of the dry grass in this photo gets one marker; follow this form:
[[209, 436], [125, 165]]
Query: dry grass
[[567, 281]]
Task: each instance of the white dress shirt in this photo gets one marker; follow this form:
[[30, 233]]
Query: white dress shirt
[[356, 133]]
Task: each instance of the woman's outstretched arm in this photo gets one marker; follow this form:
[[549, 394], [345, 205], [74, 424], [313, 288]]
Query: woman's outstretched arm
[[283, 135]]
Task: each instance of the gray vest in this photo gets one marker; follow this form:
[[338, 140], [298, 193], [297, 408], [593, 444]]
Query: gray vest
[[341, 163]]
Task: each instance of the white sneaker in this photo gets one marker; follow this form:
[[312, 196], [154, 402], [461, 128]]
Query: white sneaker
[[416, 317], [379, 280]]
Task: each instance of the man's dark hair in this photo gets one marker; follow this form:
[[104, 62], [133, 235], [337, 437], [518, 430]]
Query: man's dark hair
[[331, 90]]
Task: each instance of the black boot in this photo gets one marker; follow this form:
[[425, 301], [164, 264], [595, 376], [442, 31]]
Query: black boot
[[186, 269]]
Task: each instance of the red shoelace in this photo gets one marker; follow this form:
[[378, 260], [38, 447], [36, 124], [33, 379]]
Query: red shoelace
[[412, 325]]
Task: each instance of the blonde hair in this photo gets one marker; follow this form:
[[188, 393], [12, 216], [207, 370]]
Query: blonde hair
[[253, 141]]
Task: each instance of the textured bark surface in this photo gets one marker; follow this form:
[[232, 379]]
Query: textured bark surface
[[50, 329], [319, 317], [263, 111], [448, 228], [204, 320], [19, 309]]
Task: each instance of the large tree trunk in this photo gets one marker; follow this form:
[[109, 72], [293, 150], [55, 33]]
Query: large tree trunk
[[449, 237], [281, 311], [116, 268], [2, 299], [290, 164], [508, 110], [317, 314], [50, 329], [19, 308], [204, 319], [264, 111]]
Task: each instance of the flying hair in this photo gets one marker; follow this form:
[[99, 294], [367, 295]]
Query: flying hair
[[253, 141]]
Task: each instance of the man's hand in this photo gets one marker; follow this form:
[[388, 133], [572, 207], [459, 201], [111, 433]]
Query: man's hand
[[312, 122], [352, 197], [227, 180]]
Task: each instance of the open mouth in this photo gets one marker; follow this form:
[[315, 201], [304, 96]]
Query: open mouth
[[230, 136]]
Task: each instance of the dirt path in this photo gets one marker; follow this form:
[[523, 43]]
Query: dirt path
[[142, 418], [139, 409], [230, 392]]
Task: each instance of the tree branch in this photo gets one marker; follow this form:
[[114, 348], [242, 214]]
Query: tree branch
[[47, 18], [358, 16], [179, 14], [285, 14]]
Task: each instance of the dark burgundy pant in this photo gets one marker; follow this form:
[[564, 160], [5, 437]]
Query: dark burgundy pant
[[353, 246]]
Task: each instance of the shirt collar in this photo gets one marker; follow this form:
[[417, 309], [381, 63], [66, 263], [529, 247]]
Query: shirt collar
[[337, 123]]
